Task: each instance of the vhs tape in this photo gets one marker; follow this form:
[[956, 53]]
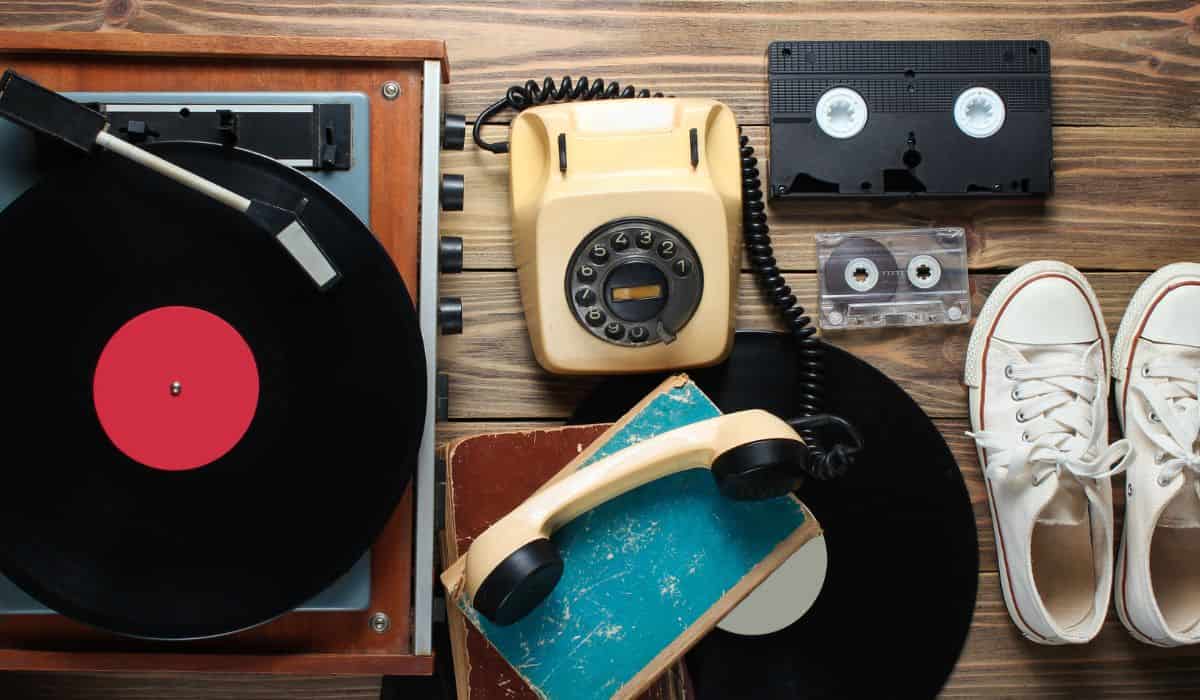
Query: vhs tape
[[910, 119]]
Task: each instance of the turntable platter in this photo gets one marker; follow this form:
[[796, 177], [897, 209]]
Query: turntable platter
[[199, 440]]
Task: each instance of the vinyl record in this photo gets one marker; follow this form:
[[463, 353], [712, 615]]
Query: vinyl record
[[897, 602], [199, 440]]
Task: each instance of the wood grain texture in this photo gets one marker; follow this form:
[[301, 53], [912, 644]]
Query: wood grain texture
[[493, 374], [223, 686], [226, 47], [997, 661], [1125, 200], [1118, 62]]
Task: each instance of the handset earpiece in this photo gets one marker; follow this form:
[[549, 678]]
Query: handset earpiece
[[512, 566], [761, 469]]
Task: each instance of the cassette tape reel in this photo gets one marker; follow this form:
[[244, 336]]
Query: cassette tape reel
[[893, 278]]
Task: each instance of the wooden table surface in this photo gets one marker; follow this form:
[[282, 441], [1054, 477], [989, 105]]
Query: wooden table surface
[[1127, 151]]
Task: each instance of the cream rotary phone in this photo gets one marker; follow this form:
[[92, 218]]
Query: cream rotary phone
[[512, 566], [626, 220]]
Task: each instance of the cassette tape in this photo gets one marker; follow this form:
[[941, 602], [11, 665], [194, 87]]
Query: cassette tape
[[875, 279], [910, 119]]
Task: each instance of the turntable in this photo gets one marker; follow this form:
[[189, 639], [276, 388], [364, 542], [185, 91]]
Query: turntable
[[282, 521]]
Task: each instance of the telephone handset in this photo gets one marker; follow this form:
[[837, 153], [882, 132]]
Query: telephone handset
[[512, 566]]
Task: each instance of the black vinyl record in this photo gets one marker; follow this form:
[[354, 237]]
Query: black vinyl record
[[899, 595], [212, 486]]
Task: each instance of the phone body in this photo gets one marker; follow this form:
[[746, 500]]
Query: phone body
[[626, 221]]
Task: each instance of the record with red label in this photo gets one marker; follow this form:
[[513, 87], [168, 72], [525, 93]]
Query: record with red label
[[198, 439]]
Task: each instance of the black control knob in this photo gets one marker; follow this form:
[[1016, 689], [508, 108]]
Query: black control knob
[[450, 315], [452, 191], [454, 131], [450, 254]]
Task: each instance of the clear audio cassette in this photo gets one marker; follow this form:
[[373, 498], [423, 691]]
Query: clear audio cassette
[[875, 279]]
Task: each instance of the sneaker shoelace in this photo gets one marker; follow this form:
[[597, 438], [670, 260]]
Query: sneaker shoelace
[[1173, 422], [1062, 423]]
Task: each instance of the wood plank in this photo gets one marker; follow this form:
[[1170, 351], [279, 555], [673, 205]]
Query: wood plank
[[998, 661], [210, 686], [229, 47], [1123, 62], [493, 373], [1125, 200]]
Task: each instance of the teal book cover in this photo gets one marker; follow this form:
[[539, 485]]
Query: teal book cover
[[644, 573]]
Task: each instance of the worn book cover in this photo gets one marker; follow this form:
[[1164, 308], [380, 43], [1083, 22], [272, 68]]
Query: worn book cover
[[646, 575]]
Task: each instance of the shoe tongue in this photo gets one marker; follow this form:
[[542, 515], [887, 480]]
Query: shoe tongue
[[1068, 505], [1182, 511], [1052, 354]]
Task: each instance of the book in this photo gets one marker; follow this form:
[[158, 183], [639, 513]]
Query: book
[[646, 575]]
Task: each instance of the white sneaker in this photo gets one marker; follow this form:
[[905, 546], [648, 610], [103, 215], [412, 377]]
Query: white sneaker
[[1156, 363], [1038, 382]]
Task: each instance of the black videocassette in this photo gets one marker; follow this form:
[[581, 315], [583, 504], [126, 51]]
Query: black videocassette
[[910, 119]]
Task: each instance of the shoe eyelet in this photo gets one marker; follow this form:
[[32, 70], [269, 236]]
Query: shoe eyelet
[[1162, 482], [1146, 369], [1025, 437], [1016, 395], [1008, 371], [1021, 417], [1154, 417]]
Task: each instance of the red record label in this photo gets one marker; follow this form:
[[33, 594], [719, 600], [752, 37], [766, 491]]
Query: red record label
[[176, 388]]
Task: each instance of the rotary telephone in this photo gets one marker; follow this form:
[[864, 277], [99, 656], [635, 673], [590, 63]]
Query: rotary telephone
[[627, 218]]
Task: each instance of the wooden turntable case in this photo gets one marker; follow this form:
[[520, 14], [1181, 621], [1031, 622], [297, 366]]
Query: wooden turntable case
[[297, 643]]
